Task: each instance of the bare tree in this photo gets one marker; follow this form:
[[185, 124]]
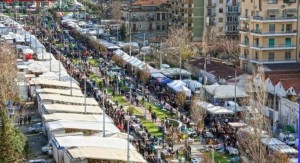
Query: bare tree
[[197, 113], [216, 44], [180, 99], [12, 141], [116, 7], [178, 45], [250, 138], [229, 48]]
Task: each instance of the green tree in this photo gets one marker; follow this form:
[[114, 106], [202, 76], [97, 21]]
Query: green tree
[[123, 32], [12, 141]]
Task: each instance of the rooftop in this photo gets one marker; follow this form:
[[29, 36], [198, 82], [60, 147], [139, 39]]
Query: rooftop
[[149, 2], [283, 67], [219, 69]]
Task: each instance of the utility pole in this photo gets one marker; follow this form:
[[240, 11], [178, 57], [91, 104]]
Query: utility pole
[[205, 73], [235, 90], [180, 60], [85, 94], [71, 87], [104, 109], [128, 144], [144, 45]]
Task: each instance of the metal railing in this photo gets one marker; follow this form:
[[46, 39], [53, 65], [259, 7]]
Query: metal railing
[[274, 32], [273, 46], [274, 18]]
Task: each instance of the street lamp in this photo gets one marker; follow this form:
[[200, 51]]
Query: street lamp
[[85, 93], [128, 144], [104, 109]]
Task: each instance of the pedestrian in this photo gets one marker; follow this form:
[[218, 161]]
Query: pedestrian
[[21, 121], [29, 118], [150, 108], [25, 120]]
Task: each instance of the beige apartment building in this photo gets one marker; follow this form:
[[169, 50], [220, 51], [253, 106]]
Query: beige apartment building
[[269, 33], [146, 16]]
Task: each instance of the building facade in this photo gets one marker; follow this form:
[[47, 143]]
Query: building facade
[[188, 14], [146, 16], [223, 15], [268, 33]]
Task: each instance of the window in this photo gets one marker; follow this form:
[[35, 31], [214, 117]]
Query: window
[[257, 27], [256, 55], [271, 56], [272, 1], [289, 27], [282, 27], [220, 1], [220, 10], [163, 15], [163, 27], [158, 16], [220, 20], [288, 41], [272, 28], [271, 42], [158, 27], [287, 55]]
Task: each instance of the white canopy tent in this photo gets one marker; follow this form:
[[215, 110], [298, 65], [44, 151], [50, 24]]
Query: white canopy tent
[[76, 117], [75, 92], [110, 154], [271, 141], [178, 85], [157, 75], [225, 91], [64, 108], [283, 148], [214, 109]]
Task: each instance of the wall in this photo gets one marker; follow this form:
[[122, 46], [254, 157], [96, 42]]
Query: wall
[[289, 113]]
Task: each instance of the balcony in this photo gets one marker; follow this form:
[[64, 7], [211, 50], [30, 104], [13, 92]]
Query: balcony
[[211, 5], [211, 14], [137, 19], [232, 23], [244, 17], [274, 19], [233, 13], [274, 33], [150, 19], [244, 30], [231, 33], [244, 44], [243, 57], [271, 61], [275, 47]]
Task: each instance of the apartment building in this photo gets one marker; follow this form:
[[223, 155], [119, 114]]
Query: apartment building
[[268, 33], [146, 16], [223, 15], [188, 14]]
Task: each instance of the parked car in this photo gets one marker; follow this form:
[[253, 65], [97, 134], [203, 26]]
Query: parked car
[[35, 128], [47, 149], [288, 139], [37, 161]]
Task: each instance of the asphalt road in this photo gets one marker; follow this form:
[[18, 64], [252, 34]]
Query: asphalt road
[[35, 140]]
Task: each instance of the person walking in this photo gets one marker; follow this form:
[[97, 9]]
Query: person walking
[[150, 108], [25, 120], [29, 118]]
